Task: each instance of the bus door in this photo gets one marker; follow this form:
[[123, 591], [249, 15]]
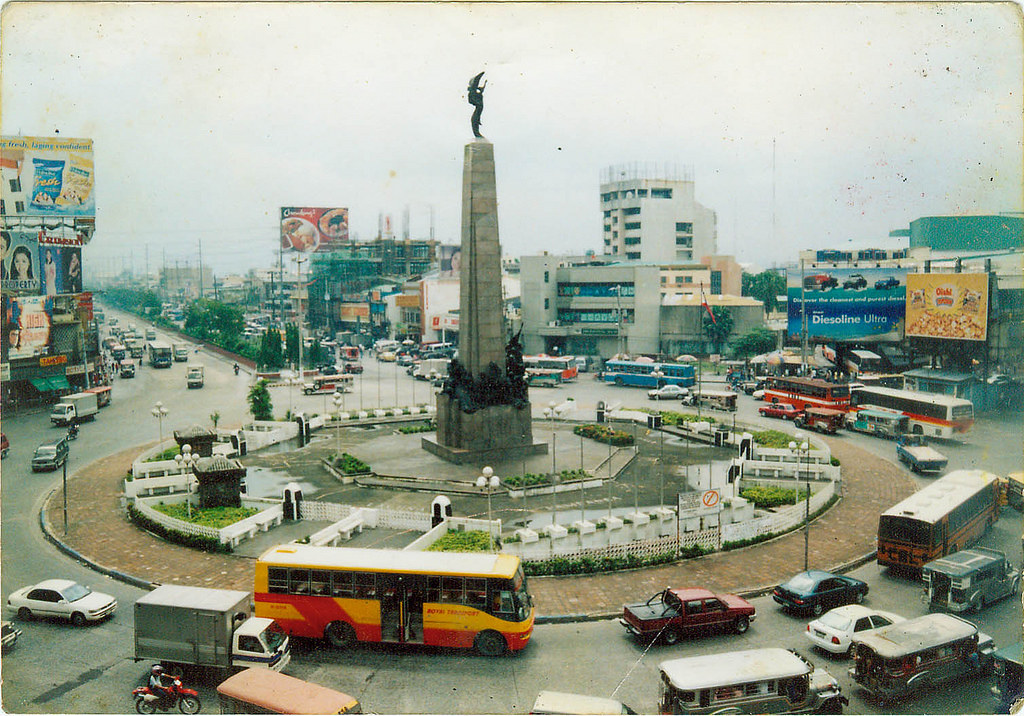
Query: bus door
[[401, 608]]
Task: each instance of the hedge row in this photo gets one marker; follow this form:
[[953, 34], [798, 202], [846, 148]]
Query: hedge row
[[206, 544], [603, 434], [591, 565]]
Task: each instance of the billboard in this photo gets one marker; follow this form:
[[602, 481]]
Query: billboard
[[847, 304], [306, 229], [47, 176], [20, 262], [450, 260], [40, 261], [26, 326], [947, 305]]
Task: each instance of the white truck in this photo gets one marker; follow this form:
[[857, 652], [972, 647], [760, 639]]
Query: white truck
[[180, 352], [74, 408], [432, 368], [194, 375], [198, 626]]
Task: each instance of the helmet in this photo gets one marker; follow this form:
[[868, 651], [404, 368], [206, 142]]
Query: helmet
[[157, 669]]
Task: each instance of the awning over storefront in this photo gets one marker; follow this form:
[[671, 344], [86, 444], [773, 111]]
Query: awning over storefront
[[50, 384]]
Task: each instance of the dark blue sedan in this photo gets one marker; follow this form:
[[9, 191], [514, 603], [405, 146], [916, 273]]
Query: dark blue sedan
[[816, 591]]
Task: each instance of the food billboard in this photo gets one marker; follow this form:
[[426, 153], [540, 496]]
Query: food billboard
[[307, 229], [847, 304], [947, 305], [47, 176]]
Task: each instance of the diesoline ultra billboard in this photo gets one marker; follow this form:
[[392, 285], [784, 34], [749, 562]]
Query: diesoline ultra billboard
[[306, 229], [947, 305], [848, 304]]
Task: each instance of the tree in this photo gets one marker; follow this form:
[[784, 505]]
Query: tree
[[766, 287], [259, 401], [719, 329], [291, 344], [756, 342], [270, 356]]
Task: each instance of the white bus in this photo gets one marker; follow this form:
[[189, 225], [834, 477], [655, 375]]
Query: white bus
[[932, 414]]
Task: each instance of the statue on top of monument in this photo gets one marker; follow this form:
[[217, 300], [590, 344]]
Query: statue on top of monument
[[476, 98]]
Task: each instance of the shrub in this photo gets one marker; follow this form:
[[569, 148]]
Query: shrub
[[590, 565], [670, 417], [350, 464], [418, 428], [834, 461], [767, 496], [604, 434], [531, 479]]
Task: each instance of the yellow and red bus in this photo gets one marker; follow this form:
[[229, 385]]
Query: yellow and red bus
[[808, 393], [341, 594], [944, 517], [932, 414]]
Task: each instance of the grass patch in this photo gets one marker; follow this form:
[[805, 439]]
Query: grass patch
[[671, 417], [773, 438], [466, 541], [167, 454], [215, 517], [350, 464]]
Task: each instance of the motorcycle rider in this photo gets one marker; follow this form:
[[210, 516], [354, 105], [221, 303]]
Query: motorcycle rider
[[73, 431], [236, 369], [156, 685]]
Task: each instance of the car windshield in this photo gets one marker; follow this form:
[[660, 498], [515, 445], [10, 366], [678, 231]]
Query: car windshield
[[76, 592], [801, 583], [836, 621]]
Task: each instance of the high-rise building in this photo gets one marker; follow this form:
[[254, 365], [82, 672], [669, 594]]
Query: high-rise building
[[651, 215]]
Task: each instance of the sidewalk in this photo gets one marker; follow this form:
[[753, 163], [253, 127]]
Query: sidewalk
[[100, 533]]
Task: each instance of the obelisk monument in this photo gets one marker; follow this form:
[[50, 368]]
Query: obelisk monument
[[483, 411]]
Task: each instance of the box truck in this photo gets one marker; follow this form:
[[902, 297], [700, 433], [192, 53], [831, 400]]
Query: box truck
[[194, 375], [74, 408], [198, 626]]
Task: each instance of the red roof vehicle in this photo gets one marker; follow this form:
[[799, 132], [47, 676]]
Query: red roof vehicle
[[673, 613], [780, 410]]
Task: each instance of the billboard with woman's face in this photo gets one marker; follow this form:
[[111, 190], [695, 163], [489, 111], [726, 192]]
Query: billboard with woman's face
[[26, 326], [21, 268]]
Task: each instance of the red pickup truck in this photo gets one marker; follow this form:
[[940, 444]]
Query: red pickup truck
[[674, 613], [780, 410]]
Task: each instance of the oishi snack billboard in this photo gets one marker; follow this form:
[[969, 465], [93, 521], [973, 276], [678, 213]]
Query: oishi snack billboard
[[47, 176], [947, 305]]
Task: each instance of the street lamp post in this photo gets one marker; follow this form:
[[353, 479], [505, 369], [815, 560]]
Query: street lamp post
[[159, 412], [187, 460], [803, 447], [488, 482], [299, 260], [339, 405]]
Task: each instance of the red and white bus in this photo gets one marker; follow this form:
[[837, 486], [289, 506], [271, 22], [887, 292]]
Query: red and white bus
[[342, 594], [808, 393], [562, 367], [932, 414]]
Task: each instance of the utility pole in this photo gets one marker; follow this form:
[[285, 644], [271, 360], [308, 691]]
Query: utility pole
[[200, 268]]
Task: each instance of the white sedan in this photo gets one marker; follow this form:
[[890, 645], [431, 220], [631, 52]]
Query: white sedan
[[668, 392], [834, 631], [61, 598]]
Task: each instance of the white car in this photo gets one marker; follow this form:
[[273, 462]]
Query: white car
[[668, 392], [61, 598], [758, 395], [834, 630]]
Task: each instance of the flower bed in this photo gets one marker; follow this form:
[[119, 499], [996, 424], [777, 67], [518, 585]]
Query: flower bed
[[603, 434]]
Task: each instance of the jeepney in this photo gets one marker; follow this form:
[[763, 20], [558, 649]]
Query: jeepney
[[903, 659], [969, 580], [878, 422], [756, 681], [824, 420]]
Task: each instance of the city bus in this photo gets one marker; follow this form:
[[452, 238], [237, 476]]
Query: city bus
[[451, 599], [946, 516], [648, 374], [160, 355], [563, 368], [932, 414], [807, 393]]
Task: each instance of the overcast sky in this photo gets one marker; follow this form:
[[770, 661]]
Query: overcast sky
[[208, 117]]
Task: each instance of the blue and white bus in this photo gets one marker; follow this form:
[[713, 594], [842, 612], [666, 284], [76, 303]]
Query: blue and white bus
[[648, 374]]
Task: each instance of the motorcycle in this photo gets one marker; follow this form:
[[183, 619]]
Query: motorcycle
[[236, 369], [73, 432], [147, 701]]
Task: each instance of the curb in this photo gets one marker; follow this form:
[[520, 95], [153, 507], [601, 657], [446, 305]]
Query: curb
[[78, 557]]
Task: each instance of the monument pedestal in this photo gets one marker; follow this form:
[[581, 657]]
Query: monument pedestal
[[496, 433]]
